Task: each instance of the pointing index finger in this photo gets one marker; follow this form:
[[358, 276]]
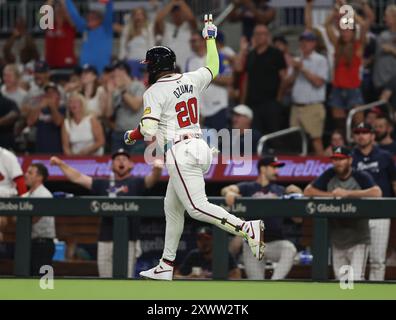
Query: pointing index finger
[[210, 18]]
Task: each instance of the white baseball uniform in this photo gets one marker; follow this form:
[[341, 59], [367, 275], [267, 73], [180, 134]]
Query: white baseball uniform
[[174, 102], [379, 234], [355, 257], [105, 258], [9, 170], [282, 252]]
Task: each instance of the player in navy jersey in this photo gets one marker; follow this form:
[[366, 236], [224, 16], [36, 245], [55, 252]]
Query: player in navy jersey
[[277, 248], [380, 164], [350, 237], [383, 127], [124, 185]]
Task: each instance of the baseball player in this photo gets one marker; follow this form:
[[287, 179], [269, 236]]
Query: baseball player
[[171, 114], [380, 164], [123, 185], [12, 182], [278, 249], [349, 237]]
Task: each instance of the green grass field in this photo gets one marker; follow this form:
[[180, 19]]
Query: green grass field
[[190, 290]]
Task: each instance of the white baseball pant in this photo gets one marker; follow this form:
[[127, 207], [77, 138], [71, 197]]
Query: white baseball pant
[[282, 252], [187, 162], [355, 256], [379, 237], [105, 258]]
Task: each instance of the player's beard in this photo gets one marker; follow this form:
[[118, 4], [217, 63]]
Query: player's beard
[[380, 137], [342, 172], [273, 177]]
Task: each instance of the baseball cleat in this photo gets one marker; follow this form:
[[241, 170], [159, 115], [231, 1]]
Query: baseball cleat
[[162, 271], [254, 235]]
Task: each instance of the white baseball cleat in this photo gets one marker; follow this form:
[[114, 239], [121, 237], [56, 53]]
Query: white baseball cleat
[[161, 272], [254, 231]]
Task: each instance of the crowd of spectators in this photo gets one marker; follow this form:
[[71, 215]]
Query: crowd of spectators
[[331, 72]]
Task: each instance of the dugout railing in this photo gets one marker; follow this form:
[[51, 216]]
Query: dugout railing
[[319, 209], [281, 133]]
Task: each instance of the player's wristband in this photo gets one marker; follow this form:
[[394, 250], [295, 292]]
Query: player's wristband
[[136, 134], [20, 185]]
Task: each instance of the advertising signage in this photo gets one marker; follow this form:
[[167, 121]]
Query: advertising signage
[[297, 169]]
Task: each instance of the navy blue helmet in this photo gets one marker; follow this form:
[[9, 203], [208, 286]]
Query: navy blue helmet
[[159, 59]]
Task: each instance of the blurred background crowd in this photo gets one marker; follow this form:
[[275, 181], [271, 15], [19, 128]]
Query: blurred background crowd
[[79, 89]]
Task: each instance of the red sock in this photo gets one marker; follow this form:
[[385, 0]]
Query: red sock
[[168, 262]]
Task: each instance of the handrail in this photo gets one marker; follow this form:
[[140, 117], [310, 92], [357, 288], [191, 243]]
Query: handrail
[[224, 14], [353, 111], [281, 133]]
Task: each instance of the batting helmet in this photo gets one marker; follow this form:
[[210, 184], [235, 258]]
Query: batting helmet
[[159, 59]]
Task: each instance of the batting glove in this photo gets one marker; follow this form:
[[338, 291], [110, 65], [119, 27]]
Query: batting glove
[[127, 138], [210, 30]]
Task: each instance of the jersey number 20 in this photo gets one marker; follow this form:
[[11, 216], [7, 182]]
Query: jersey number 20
[[187, 113]]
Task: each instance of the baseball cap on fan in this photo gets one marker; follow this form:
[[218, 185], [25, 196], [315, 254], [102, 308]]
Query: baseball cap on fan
[[41, 66], [271, 161], [120, 152], [205, 232], [243, 110], [363, 128], [308, 36], [341, 153], [376, 110]]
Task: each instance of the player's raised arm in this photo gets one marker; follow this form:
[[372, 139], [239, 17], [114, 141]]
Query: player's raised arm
[[230, 193], [72, 174], [209, 32]]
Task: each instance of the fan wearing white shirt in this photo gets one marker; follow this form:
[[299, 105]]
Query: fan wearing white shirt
[[177, 32], [82, 133], [137, 35], [43, 228], [11, 88], [136, 38]]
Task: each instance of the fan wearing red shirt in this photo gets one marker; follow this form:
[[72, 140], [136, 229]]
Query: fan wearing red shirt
[[59, 42], [349, 48]]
